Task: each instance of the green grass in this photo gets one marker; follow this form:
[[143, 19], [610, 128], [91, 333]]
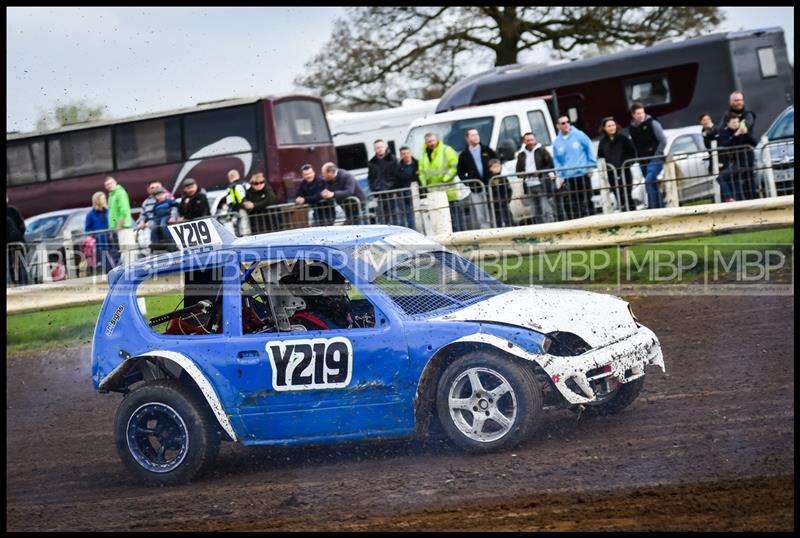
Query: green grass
[[67, 326], [649, 263], [74, 325]]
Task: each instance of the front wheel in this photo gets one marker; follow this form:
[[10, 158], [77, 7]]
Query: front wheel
[[164, 434], [487, 403]]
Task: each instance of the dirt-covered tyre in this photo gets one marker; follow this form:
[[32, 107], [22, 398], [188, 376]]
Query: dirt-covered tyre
[[165, 433], [486, 403], [615, 402]]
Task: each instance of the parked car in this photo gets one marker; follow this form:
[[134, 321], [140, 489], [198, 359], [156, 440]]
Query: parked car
[[779, 141], [310, 336], [695, 182], [48, 229]]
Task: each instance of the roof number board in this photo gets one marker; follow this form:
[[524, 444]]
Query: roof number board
[[196, 233]]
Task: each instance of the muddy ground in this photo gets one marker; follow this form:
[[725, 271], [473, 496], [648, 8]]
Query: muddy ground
[[707, 446]]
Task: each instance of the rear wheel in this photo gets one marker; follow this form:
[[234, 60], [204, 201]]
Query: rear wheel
[[164, 434], [487, 403]]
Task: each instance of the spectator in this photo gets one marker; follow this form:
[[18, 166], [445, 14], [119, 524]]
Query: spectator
[[710, 134], [194, 204], [439, 166], [258, 199], [145, 219], [341, 186], [164, 212], [382, 176], [539, 186], [96, 220], [236, 191], [309, 191], [501, 194], [708, 129], [119, 218], [747, 124], [407, 173], [733, 163], [649, 140], [616, 147], [473, 164], [16, 270], [747, 118], [573, 156]]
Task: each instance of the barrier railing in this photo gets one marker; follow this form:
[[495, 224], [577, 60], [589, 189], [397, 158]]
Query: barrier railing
[[714, 175]]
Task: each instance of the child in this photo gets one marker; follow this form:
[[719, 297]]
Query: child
[[165, 211]]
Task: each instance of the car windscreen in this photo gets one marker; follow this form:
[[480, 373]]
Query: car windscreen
[[451, 133], [432, 283], [784, 128], [46, 227]]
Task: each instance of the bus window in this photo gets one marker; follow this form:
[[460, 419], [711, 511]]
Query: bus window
[[650, 91], [147, 143], [25, 162], [203, 131], [300, 121], [80, 153], [352, 156]]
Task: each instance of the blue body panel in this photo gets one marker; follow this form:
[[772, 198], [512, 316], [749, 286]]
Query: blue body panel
[[377, 399]]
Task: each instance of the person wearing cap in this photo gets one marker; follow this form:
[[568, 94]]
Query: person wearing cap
[[309, 191], [194, 204], [165, 212], [257, 201]]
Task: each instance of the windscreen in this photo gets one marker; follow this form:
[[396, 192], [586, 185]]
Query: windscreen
[[432, 283], [451, 133]]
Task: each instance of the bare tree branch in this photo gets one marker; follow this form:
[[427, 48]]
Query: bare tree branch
[[380, 55]]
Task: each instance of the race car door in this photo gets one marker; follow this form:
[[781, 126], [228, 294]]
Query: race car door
[[315, 358]]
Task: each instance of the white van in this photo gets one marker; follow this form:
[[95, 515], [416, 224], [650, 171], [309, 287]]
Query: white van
[[501, 126], [354, 133]]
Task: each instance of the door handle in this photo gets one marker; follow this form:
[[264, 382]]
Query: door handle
[[248, 356]]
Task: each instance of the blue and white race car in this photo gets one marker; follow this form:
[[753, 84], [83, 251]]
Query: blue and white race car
[[345, 333]]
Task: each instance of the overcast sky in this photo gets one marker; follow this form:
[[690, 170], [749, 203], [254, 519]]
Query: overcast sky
[[140, 60]]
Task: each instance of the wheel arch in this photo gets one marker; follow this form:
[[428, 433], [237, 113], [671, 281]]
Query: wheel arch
[[425, 399], [168, 364]]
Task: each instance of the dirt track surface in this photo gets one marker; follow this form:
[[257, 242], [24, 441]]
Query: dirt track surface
[[707, 446]]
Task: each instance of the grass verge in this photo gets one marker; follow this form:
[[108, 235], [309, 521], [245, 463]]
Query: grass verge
[[75, 325]]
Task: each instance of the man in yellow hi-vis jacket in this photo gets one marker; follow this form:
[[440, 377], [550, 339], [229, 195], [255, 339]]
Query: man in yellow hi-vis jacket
[[438, 165]]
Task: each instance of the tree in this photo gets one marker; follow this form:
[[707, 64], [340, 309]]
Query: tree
[[69, 113], [382, 55]]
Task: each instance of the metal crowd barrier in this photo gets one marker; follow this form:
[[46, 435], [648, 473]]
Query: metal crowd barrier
[[709, 176]]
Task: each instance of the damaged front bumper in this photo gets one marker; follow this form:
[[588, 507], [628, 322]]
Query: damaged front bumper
[[624, 360]]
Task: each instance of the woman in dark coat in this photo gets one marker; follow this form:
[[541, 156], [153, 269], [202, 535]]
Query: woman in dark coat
[[616, 148]]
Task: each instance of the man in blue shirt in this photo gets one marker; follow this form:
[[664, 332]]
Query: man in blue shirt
[[574, 159]]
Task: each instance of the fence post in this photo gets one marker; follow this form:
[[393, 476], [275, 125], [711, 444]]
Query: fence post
[[69, 258], [415, 205], [244, 223], [605, 186], [671, 183], [436, 214], [715, 172], [43, 261], [770, 175]]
